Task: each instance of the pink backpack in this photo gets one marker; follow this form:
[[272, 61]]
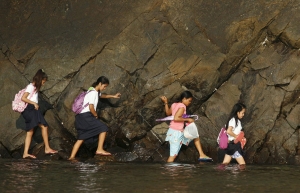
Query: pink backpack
[[223, 139], [77, 105], [17, 104]]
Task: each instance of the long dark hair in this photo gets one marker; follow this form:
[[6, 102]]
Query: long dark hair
[[185, 94], [38, 77], [101, 79], [238, 107]]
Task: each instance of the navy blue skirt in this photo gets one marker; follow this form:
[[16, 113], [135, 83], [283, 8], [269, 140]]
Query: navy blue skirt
[[32, 117], [233, 147], [88, 127]]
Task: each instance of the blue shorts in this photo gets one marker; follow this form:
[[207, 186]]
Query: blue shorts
[[176, 139]]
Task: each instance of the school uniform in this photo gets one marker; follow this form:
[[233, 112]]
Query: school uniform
[[234, 149], [32, 116], [87, 125]]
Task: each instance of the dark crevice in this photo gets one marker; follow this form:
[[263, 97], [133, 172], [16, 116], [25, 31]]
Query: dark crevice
[[28, 58], [7, 150], [151, 57], [180, 36], [8, 54], [235, 68], [73, 74]]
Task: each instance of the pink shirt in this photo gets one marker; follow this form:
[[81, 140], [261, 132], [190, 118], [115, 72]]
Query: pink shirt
[[177, 125]]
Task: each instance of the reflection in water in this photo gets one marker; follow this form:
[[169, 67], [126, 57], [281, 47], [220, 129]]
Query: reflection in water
[[177, 176], [22, 177], [87, 180], [92, 176]]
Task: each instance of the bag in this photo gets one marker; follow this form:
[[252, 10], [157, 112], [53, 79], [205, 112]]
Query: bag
[[241, 138], [223, 139], [17, 104], [77, 105], [191, 131]]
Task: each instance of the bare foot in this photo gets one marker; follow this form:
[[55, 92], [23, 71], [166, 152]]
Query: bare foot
[[50, 151], [242, 166], [102, 153], [29, 156]]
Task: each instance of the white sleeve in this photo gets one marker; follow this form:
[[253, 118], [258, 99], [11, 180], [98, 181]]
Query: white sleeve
[[30, 88], [91, 97], [232, 123]]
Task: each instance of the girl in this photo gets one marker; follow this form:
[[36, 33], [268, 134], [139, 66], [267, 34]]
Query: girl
[[234, 127], [87, 123], [175, 133], [33, 117]]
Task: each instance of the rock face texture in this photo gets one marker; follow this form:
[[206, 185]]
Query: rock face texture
[[222, 51]]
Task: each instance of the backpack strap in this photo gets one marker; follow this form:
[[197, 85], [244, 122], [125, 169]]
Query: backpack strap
[[30, 94], [87, 102]]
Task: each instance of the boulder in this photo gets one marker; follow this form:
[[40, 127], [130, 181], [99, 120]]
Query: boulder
[[222, 51]]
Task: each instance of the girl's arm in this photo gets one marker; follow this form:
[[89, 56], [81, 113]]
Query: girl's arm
[[230, 132], [178, 116], [167, 109], [92, 110], [26, 100], [106, 96]]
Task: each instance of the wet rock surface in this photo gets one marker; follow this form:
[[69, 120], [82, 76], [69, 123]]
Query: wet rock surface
[[222, 51]]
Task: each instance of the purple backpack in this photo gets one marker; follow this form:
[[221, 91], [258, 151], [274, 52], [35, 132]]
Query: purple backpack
[[77, 105], [223, 139]]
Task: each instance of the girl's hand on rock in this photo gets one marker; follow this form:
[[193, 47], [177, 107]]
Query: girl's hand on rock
[[164, 99], [117, 95]]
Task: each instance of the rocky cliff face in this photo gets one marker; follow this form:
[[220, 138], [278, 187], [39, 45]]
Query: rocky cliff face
[[222, 51]]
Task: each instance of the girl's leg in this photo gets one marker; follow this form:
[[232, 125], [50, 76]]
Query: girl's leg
[[199, 148], [227, 159], [171, 159], [75, 149], [174, 150], [27, 144], [240, 160], [100, 149], [48, 150]]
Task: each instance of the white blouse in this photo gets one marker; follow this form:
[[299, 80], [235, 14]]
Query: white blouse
[[236, 129], [33, 97]]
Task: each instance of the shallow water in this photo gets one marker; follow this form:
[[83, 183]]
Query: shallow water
[[94, 176]]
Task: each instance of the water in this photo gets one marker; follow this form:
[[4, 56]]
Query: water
[[95, 176]]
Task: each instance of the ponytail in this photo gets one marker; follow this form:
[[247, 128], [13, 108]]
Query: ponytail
[[38, 78], [102, 80]]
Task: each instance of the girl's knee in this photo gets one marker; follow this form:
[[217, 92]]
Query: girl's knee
[[30, 132], [43, 126]]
